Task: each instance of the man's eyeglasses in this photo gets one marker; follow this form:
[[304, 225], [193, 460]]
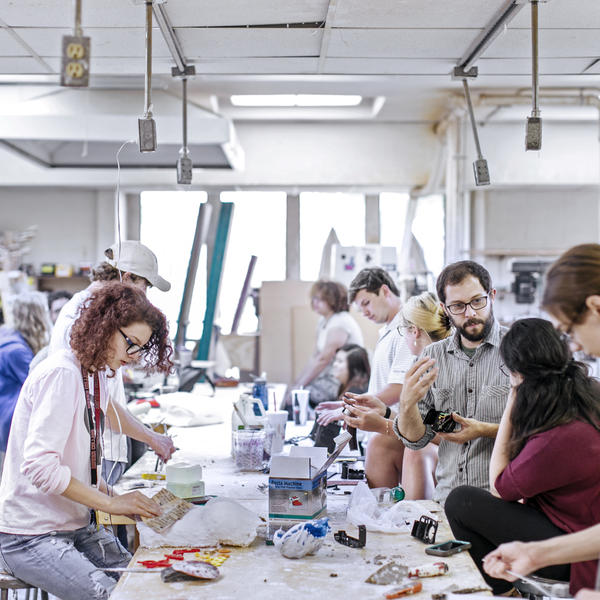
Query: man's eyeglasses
[[504, 370], [133, 348], [458, 308]]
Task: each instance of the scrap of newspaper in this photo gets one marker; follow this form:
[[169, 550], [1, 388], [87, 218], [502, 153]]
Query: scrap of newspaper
[[173, 508]]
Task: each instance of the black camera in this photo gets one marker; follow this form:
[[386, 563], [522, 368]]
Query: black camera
[[440, 421]]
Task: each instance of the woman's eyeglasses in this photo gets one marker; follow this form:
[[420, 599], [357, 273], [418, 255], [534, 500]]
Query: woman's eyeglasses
[[133, 348]]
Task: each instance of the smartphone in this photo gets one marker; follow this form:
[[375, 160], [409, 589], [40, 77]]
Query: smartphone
[[448, 548]]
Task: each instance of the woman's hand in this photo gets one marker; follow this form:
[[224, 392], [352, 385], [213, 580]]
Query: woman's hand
[[518, 557], [365, 401], [365, 419], [162, 445], [329, 416], [133, 503], [419, 378], [329, 406]]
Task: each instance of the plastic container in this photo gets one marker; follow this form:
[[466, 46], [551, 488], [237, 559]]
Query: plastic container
[[248, 449]]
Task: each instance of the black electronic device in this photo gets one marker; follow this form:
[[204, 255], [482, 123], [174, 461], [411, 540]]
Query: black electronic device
[[425, 529], [448, 548], [440, 421]]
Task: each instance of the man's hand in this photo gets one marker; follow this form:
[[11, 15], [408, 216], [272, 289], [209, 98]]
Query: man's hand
[[365, 419], [365, 401], [419, 378], [469, 430], [518, 557], [133, 503], [162, 445]]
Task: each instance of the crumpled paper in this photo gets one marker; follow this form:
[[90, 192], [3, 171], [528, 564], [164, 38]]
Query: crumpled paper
[[219, 521]]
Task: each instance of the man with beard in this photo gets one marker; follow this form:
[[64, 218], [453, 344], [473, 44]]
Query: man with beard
[[460, 375]]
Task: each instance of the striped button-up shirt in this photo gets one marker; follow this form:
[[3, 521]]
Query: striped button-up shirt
[[474, 387]]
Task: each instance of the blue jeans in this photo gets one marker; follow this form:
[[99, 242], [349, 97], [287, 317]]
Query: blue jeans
[[64, 563]]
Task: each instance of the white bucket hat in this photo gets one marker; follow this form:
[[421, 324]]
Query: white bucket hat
[[133, 257]]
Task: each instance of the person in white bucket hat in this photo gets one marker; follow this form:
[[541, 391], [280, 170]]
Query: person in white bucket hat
[[133, 258]]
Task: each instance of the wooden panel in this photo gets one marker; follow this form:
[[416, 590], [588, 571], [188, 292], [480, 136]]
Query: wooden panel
[[277, 298], [304, 337]]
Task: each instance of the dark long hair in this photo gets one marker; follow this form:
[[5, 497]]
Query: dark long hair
[[359, 369], [555, 390]]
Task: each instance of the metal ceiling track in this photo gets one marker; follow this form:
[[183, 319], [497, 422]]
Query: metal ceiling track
[[493, 29]]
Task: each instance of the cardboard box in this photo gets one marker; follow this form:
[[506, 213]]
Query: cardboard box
[[298, 485]]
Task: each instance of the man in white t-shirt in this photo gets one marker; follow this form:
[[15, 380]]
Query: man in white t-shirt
[[134, 263], [377, 297]]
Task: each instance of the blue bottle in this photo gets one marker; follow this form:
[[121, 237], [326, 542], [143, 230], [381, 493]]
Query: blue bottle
[[259, 390]]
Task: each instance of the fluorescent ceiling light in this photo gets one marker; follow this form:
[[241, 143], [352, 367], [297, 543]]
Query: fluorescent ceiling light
[[296, 100]]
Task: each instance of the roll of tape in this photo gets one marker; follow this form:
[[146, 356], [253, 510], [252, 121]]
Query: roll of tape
[[183, 472]]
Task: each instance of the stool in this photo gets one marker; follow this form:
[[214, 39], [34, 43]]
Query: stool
[[8, 582], [556, 588]]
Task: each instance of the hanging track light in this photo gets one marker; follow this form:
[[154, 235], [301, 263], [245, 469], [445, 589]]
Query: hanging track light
[[533, 130], [146, 125], [184, 162]]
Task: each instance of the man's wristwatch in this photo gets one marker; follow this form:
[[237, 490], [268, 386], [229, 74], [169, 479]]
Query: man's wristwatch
[[388, 412]]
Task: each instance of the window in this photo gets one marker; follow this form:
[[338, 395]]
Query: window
[[319, 213], [428, 225], [258, 227], [168, 223]]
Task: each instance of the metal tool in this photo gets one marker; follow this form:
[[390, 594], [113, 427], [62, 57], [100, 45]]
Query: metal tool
[[343, 538], [545, 590]]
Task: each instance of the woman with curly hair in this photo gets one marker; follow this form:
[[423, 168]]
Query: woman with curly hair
[[51, 475], [18, 346]]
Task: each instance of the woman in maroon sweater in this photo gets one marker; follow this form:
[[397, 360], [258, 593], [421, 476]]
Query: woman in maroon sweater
[[544, 454]]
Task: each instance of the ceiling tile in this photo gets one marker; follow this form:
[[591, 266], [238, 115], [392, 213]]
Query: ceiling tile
[[553, 43], [396, 66], [420, 14], [241, 42], [561, 14], [522, 66], [211, 13], [399, 43]]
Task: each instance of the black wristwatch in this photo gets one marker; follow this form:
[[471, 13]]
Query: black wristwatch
[[388, 412]]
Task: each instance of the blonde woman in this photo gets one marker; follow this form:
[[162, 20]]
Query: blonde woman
[[387, 461], [18, 346]]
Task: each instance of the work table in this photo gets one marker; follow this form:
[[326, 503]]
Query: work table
[[260, 570]]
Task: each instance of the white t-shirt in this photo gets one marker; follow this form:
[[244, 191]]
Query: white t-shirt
[[391, 357], [342, 320], [114, 444], [48, 444]]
